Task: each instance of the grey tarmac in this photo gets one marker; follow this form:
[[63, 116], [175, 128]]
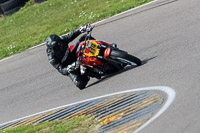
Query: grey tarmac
[[164, 35]]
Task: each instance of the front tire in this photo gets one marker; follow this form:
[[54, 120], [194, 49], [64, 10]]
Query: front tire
[[125, 57]]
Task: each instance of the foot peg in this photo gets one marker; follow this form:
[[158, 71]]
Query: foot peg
[[114, 45]]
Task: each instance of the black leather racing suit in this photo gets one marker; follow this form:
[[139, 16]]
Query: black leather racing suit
[[62, 58]]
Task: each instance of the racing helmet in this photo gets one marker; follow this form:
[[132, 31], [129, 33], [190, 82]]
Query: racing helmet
[[55, 42]]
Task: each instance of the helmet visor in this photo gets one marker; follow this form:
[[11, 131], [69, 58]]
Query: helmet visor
[[59, 46]]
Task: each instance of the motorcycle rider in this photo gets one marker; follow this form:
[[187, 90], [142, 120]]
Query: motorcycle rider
[[64, 60]]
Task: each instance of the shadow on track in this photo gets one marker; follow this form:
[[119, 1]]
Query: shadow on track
[[111, 75], [145, 61]]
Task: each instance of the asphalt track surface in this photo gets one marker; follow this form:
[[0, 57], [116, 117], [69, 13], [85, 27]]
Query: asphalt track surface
[[164, 35]]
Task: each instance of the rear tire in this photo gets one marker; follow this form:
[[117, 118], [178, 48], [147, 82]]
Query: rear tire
[[124, 55]]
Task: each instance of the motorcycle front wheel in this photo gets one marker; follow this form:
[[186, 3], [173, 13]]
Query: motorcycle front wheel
[[124, 57]]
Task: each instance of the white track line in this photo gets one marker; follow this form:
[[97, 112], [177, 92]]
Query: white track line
[[169, 91], [126, 12], [92, 24], [171, 96]]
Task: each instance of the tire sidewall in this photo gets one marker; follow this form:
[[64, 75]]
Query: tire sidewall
[[124, 55]]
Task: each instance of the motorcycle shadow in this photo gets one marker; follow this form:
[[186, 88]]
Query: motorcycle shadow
[[119, 72], [111, 75]]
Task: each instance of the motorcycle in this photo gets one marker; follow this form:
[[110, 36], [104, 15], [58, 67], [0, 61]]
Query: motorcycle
[[99, 58]]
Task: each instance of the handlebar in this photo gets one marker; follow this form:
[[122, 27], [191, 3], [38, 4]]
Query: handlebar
[[89, 28], [88, 32], [88, 35]]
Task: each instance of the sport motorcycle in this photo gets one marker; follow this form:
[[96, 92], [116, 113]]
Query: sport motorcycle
[[99, 58]]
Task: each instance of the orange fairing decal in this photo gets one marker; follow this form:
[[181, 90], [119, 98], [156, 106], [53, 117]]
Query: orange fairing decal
[[107, 52]]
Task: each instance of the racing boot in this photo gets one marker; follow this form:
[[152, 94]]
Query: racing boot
[[79, 80]]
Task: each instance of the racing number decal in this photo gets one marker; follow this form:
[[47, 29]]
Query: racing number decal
[[92, 48]]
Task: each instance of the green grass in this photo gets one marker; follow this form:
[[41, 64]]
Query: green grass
[[33, 23], [83, 124]]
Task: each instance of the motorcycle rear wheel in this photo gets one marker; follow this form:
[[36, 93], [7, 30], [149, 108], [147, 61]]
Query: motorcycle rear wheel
[[125, 57]]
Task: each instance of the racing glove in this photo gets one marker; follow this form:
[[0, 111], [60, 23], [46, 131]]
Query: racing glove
[[84, 27]]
